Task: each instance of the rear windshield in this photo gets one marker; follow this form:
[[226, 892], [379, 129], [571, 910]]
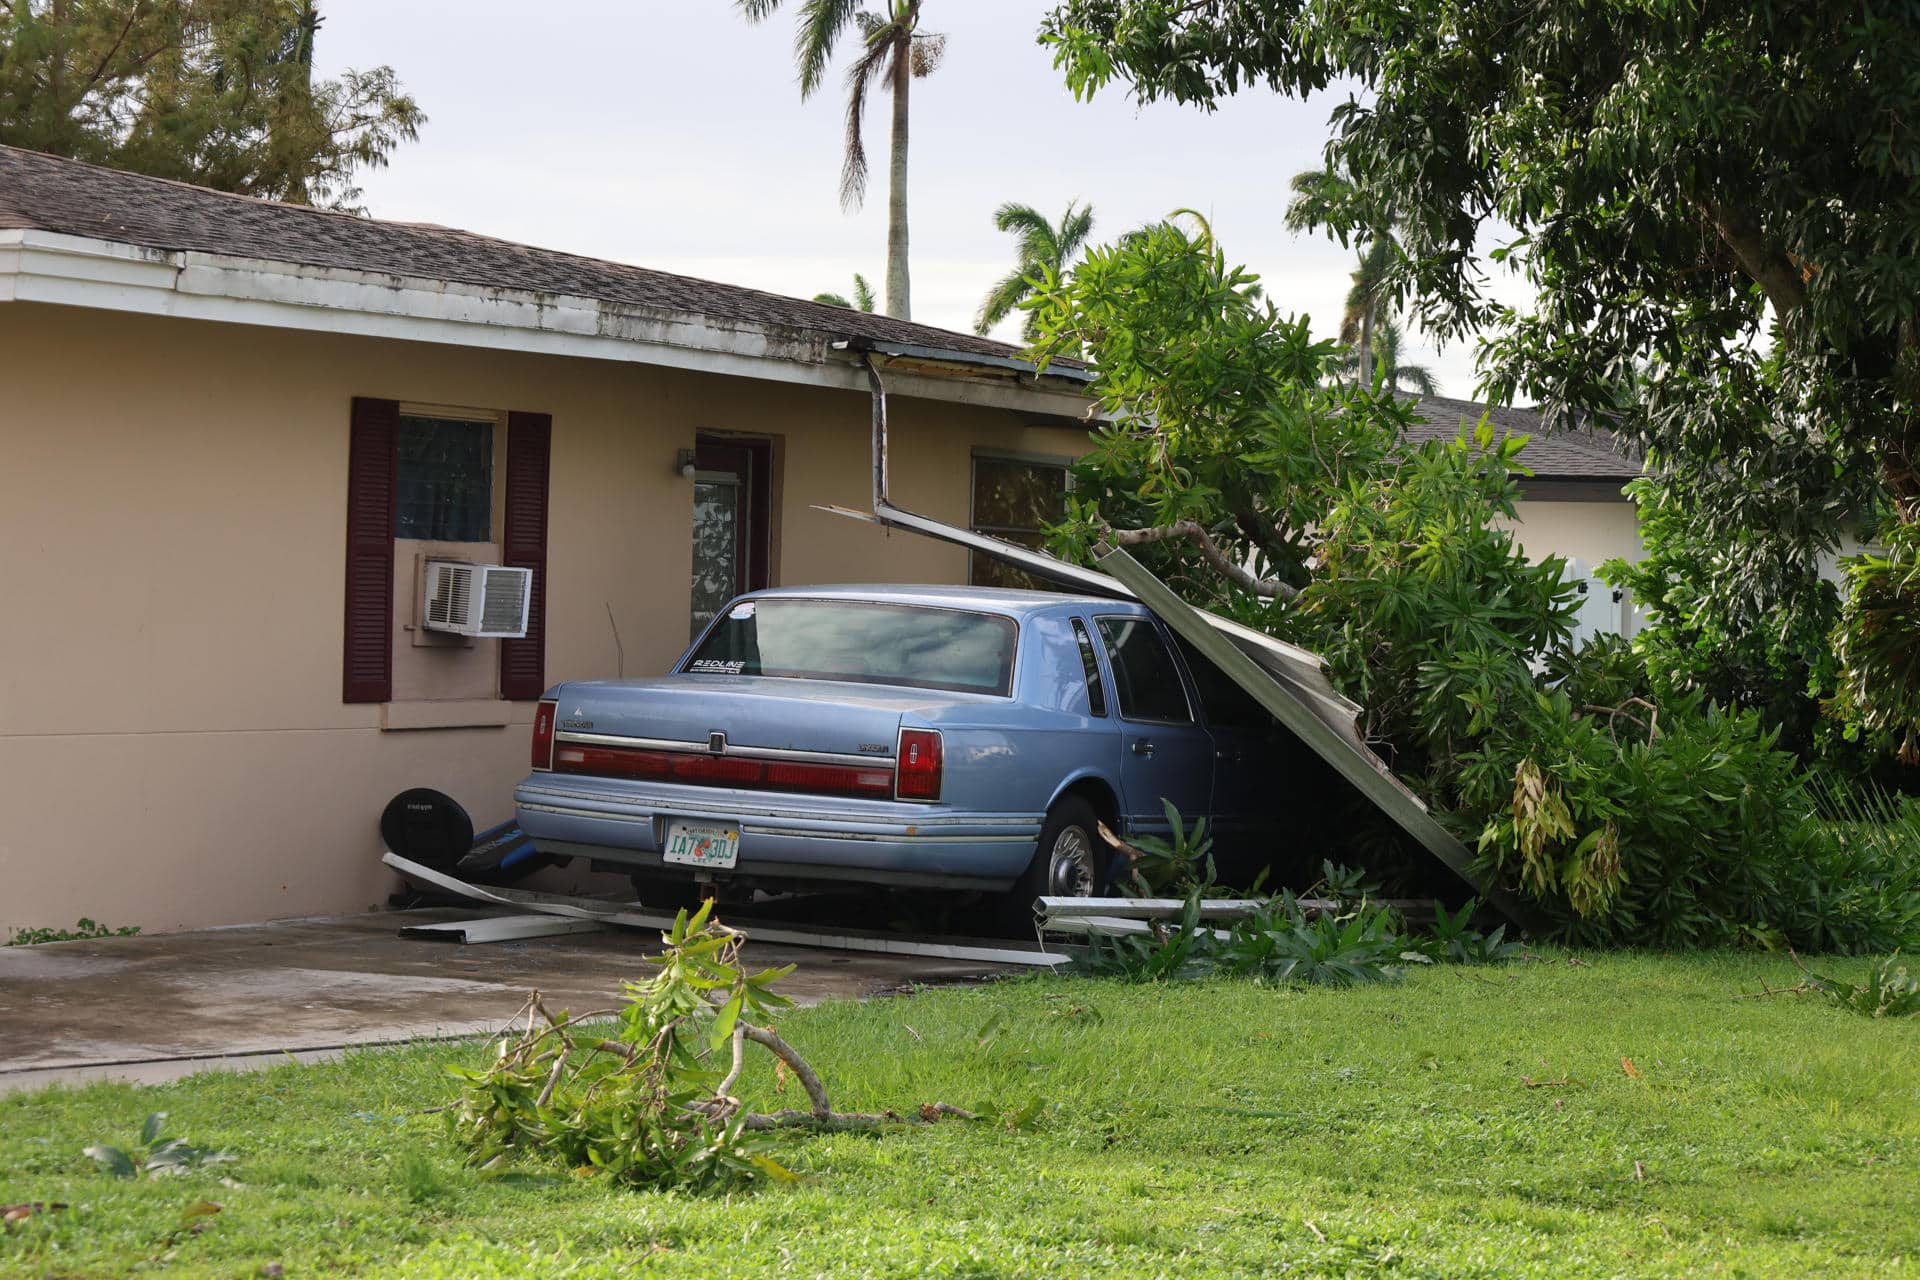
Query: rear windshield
[[867, 642]]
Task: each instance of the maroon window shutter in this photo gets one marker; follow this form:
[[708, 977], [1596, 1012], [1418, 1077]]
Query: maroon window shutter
[[523, 545], [367, 660]]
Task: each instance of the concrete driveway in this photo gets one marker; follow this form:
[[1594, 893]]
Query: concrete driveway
[[156, 1008]]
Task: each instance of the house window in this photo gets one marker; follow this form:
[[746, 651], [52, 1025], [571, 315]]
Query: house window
[[444, 479], [1015, 499]]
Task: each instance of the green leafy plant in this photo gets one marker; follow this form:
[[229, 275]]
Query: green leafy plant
[[1351, 942], [1454, 940], [1889, 991], [650, 1104], [1156, 866], [155, 1155], [83, 928]]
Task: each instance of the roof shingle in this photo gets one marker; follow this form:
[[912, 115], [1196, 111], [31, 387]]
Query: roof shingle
[[1580, 454], [47, 193]]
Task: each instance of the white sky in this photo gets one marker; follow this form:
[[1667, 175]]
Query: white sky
[[670, 134]]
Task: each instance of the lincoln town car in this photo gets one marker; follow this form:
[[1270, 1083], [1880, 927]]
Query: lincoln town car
[[949, 738]]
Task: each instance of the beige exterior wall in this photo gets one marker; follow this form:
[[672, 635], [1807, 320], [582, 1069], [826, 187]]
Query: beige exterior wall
[[173, 747], [1590, 532]]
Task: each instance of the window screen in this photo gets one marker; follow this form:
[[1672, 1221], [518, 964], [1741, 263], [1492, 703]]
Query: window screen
[[867, 642], [1014, 500], [1148, 683], [444, 480]]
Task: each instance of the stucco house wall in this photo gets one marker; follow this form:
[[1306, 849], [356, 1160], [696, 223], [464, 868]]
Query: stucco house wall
[[174, 750]]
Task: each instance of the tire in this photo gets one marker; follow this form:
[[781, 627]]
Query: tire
[[1068, 862]]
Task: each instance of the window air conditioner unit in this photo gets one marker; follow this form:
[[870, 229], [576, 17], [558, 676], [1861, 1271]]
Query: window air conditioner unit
[[481, 600]]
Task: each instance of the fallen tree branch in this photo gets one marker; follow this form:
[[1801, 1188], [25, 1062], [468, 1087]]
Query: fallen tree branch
[[1191, 531]]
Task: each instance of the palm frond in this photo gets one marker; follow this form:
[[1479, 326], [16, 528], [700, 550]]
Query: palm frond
[[1416, 377], [1075, 226], [821, 22], [833, 300], [1001, 300], [1314, 192], [1036, 236], [862, 293], [929, 51], [756, 10], [872, 66]]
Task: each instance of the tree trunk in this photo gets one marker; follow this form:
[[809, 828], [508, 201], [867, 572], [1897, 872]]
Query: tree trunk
[[1364, 352], [899, 291]]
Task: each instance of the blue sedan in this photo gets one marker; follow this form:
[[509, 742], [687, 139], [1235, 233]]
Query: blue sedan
[[934, 737]]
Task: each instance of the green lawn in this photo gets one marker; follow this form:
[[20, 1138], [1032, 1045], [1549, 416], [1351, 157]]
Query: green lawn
[[1199, 1130]]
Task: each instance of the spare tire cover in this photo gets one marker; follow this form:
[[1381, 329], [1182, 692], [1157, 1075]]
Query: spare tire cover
[[428, 827]]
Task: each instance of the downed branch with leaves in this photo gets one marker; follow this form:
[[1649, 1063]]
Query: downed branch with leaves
[[1889, 991], [650, 1102]]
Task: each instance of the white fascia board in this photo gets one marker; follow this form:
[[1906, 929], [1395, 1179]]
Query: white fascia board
[[43, 266]]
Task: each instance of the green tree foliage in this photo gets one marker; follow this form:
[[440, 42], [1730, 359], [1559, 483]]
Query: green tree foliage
[[1258, 487], [1045, 250], [1723, 192], [894, 52], [215, 92]]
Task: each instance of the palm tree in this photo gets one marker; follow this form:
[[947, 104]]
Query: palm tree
[[862, 299], [1043, 248], [892, 49], [1400, 376], [1314, 191]]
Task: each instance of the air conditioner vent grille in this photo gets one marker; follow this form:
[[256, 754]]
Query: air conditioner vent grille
[[480, 600]]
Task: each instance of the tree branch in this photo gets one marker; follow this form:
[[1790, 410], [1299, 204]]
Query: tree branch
[[1239, 575], [1769, 267]]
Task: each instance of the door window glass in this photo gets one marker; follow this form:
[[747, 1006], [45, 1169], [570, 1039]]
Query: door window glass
[[716, 544], [1147, 682], [1227, 705]]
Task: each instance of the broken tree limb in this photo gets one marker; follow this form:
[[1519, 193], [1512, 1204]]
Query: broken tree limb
[[1192, 531]]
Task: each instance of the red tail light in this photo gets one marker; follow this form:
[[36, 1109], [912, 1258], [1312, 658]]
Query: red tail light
[[917, 765], [543, 735]]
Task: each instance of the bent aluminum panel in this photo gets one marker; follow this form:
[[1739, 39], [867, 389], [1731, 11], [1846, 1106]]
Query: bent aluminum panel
[[607, 913], [1350, 757]]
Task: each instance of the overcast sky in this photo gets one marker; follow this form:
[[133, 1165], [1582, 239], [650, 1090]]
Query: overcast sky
[[670, 134]]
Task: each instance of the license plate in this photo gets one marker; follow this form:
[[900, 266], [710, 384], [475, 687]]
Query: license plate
[[702, 846]]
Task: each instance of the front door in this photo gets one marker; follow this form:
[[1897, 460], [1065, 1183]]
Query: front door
[[1164, 752], [732, 486]]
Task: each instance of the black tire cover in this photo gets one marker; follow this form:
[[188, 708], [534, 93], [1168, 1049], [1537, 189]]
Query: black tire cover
[[428, 827]]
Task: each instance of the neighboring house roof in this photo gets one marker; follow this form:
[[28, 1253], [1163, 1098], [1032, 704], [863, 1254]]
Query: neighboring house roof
[[42, 193], [1582, 454]]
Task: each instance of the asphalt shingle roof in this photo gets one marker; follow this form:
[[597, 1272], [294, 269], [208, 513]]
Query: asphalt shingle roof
[[1579, 454], [47, 193]]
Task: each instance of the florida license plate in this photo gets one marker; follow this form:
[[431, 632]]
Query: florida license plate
[[695, 845]]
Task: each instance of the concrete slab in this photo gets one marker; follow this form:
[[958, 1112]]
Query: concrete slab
[[160, 1007]]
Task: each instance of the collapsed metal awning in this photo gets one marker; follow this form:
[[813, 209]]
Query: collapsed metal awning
[[1290, 682]]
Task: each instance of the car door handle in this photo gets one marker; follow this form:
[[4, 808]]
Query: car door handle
[[1143, 746]]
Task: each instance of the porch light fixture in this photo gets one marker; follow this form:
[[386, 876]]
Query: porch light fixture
[[683, 462]]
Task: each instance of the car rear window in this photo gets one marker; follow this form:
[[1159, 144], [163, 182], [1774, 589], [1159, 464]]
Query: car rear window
[[869, 642]]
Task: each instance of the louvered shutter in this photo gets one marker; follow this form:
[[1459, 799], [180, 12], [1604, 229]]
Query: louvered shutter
[[523, 663], [372, 459]]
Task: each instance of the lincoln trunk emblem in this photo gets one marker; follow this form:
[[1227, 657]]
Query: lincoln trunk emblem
[[717, 743]]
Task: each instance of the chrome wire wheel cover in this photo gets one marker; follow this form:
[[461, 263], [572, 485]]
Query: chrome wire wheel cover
[[1070, 864]]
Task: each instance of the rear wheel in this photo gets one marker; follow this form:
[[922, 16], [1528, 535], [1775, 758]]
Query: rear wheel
[[1069, 862]]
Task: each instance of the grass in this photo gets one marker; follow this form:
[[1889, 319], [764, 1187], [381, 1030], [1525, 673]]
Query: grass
[[1197, 1130]]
